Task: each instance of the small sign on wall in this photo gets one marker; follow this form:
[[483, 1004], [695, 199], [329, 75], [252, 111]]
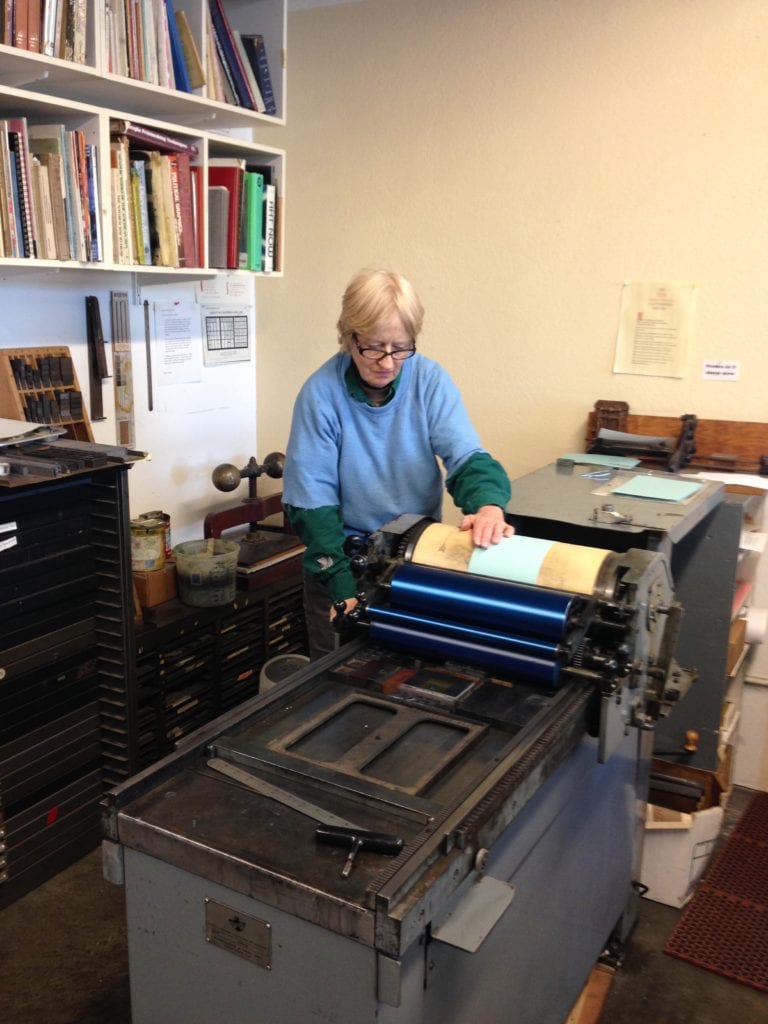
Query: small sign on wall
[[720, 370]]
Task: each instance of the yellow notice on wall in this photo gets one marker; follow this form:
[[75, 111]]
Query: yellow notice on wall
[[655, 329]]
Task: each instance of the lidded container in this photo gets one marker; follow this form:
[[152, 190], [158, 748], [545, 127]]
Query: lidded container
[[147, 544]]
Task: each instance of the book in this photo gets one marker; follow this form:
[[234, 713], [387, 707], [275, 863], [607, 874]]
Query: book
[[56, 174], [257, 55], [192, 61], [229, 172], [122, 198], [165, 75], [78, 12], [10, 226], [177, 55], [94, 213], [49, 15], [187, 243], [269, 217], [154, 204], [41, 198], [71, 164], [141, 212], [231, 58], [48, 143], [249, 73], [34, 24], [254, 199], [19, 147], [151, 137], [196, 178], [218, 221], [20, 24], [161, 177]]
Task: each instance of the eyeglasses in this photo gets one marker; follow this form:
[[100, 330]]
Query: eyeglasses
[[376, 355]]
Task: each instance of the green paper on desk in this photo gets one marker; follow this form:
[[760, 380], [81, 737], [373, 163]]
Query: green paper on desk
[[658, 488], [615, 461]]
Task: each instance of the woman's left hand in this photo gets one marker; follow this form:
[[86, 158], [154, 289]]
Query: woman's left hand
[[487, 526]]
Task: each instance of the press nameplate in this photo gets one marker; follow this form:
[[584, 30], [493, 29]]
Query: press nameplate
[[238, 933]]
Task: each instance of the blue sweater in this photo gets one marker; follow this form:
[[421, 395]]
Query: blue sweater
[[375, 463]]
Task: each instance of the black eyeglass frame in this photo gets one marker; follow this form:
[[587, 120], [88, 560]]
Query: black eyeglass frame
[[398, 355]]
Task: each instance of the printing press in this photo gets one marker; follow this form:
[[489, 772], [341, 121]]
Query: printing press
[[441, 820]]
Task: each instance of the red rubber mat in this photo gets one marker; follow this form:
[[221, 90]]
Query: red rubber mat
[[724, 928]]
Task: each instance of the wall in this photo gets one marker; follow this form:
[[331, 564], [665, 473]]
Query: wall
[[191, 428], [519, 160]]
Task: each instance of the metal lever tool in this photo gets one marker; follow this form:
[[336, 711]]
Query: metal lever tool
[[334, 830], [357, 839]]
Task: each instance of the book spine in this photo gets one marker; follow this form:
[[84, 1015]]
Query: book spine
[[186, 212], [82, 183], [74, 212], [69, 31], [268, 263], [8, 37], [48, 38], [34, 26], [177, 57], [257, 54], [254, 183], [139, 169], [81, 31], [150, 136], [16, 198], [20, 24], [17, 133], [54, 163], [9, 207], [91, 172], [173, 171], [194, 66], [250, 73], [196, 177]]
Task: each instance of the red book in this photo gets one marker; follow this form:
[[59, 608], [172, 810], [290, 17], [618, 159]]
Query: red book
[[187, 248], [33, 26], [230, 173], [21, 24]]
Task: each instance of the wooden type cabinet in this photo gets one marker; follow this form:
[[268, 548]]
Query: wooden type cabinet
[[87, 698], [192, 664], [91, 95], [66, 642]]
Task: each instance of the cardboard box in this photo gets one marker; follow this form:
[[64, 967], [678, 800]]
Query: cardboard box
[[676, 850], [156, 586]]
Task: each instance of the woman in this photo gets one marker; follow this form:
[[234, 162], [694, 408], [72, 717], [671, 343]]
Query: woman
[[368, 428]]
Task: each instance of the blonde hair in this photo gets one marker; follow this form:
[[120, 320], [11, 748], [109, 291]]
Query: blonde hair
[[373, 295]]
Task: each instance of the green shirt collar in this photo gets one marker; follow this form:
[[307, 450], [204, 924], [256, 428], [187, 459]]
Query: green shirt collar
[[355, 390]]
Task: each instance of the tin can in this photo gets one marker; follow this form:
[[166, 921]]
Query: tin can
[[147, 544], [167, 523]]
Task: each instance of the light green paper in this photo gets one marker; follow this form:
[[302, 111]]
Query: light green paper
[[515, 558], [616, 461], [657, 488]]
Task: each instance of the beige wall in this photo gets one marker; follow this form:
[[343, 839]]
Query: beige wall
[[519, 160]]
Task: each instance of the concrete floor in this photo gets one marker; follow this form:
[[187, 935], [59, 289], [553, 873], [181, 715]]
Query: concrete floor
[[63, 960]]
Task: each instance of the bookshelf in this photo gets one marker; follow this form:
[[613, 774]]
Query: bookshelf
[[88, 99], [40, 385]]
